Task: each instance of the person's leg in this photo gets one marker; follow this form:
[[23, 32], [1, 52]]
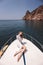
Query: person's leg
[[18, 52], [19, 56]]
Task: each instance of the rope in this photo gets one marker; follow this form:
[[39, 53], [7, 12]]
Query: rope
[[24, 56], [24, 59]]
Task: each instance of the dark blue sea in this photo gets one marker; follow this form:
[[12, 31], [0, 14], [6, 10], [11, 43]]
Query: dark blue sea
[[8, 28]]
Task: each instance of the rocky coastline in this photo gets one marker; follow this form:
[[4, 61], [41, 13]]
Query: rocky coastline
[[36, 14]]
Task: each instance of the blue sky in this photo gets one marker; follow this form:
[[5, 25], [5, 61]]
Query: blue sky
[[16, 9]]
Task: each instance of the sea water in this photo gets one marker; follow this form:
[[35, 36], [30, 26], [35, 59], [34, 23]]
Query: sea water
[[8, 28]]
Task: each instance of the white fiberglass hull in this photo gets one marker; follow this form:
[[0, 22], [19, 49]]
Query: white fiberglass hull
[[33, 56]]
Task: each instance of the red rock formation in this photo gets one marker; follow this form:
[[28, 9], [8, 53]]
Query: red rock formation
[[36, 14]]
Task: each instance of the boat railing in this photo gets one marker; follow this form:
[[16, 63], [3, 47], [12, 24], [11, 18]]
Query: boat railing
[[6, 45], [35, 41], [27, 36]]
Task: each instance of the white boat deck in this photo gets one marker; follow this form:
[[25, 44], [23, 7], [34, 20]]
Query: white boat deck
[[33, 56]]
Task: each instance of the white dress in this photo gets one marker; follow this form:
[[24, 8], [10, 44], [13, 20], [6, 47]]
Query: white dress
[[20, 40]]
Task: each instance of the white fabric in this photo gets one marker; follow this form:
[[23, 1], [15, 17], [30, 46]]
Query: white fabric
[[19, 45], [19, 38]]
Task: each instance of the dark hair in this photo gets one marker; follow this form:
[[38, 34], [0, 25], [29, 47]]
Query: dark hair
[[21, 36]]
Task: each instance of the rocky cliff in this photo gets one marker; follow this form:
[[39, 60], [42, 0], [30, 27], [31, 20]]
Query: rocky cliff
[[36, 14]]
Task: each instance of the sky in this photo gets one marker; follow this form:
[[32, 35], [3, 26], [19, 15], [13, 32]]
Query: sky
[[16, 9]]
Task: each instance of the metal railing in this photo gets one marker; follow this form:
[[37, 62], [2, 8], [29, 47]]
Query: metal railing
[[6, 45], [35, 41]]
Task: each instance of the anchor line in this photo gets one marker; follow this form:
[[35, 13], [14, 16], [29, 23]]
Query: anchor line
[[24, 59], [24, 56]]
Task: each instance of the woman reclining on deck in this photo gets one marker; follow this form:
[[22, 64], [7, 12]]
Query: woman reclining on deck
[[22, 48]]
